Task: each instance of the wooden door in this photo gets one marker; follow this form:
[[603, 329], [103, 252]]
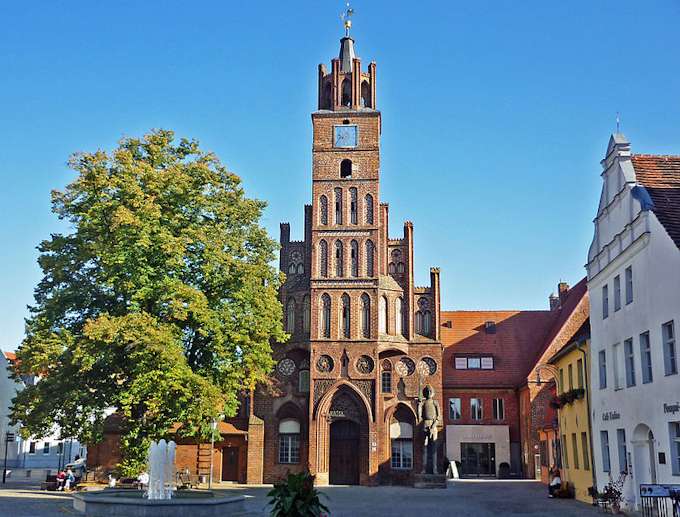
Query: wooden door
[[344, 453], [230, 464]]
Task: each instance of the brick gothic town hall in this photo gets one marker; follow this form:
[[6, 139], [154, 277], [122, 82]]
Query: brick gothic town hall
[[365, 341], [364, 337]]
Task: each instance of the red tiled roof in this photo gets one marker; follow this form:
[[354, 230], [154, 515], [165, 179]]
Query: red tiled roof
[[518, 338], [11, 356], [522, 340], [660, 175], [569, 318]]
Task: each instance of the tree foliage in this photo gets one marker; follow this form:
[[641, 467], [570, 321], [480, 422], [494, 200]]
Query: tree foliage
[[160, 303]]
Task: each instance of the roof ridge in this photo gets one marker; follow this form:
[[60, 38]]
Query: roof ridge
[[649, 155]]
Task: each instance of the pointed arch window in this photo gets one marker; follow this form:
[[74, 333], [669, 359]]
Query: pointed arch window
[[290, 316], [306, 314], [303, 379], [365, 316], [382, 316], [339, 265], [398, 316], [345, 316], [353, 206], [338, 205], [370, 258], [427, 323], [323, 258], [368, 207], [354, 258], [365, 95], [346, 92], [323, 210], [325, 315], [419, 322]]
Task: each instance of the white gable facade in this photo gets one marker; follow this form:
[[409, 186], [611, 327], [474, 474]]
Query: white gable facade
[[634, 288]]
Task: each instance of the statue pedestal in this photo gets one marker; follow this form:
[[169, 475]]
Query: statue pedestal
[[429, 481]]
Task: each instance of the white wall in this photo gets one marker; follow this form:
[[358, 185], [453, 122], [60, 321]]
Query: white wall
[[635, 239]]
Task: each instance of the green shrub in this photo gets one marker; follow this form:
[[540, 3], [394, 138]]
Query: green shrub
[[295, 496]]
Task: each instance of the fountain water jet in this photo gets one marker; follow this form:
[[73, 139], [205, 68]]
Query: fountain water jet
[[161, 460]]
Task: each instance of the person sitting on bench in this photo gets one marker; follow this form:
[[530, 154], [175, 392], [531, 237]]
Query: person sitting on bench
[[555, 481]]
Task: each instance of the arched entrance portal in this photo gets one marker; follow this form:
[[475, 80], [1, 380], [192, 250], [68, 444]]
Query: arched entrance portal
[[342, 433], [344, 446], [644, 457]]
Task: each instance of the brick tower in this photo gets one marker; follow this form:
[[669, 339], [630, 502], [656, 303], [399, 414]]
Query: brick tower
[[364, 340]]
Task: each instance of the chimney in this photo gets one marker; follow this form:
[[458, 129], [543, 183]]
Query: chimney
[[562, 290], [553, 301]]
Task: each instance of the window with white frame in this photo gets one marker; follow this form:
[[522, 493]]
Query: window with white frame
[[622, 450], [617, 293], [616, 360], [473, 363], [289, 441], [401, 438], [605, 302], [498, 409], [476, 412], [630, 362], [670, 360], [31, 447], [454, 409], [46, 448], [629, 285], [602, 363], [604, 444], [674, 429], [646, 358]]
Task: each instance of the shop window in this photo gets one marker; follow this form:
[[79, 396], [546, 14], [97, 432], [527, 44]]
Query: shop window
[[289, 441]]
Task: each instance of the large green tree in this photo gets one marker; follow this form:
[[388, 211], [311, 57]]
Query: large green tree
[[160, 302]]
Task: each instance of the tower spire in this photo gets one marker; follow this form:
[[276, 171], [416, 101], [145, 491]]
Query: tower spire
[[347, 19]]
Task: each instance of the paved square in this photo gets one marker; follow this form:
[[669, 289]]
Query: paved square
[[461, 498]]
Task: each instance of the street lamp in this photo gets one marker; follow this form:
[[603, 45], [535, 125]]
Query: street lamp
[[9, 438], [213, 427], [552, 369]]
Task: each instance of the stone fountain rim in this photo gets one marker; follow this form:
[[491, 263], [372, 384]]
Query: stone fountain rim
[[102, 496]]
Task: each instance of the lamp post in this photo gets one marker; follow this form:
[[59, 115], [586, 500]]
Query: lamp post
[[213, 428], [9, 438]]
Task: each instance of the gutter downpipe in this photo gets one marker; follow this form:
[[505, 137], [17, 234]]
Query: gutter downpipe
[[586, 368]]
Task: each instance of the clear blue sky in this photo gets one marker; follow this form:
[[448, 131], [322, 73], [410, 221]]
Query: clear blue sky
[[495, 117]]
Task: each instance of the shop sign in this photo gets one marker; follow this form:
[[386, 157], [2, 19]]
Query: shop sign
[[671, 408], [336, 413], [611, 415]]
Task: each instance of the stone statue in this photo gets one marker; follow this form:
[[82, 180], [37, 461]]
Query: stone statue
[[430, 414]]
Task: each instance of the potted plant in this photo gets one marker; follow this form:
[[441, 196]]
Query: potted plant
[[295, 496]]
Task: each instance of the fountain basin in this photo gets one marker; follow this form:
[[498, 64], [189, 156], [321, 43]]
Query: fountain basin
[[130, 503]]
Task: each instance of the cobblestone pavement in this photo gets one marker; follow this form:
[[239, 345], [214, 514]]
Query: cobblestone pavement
[[465, 498], [461, 498]]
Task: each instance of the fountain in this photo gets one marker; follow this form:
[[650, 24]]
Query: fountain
[[161, 462], [161, 498]]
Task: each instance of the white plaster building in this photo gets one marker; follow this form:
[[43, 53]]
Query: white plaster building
[[30, 458], [634, 287]]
